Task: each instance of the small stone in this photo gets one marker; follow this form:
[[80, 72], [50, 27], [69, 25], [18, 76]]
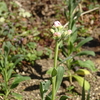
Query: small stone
[[17, 70], [93, 93], [96, 88], [23, 73]]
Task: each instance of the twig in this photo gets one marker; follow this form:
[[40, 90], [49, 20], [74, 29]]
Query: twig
[[90, 11], [84, 14]]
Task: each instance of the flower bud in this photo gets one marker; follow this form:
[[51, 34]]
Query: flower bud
[[69, 32], [52, 30], [57, 24], [57, 34], [2, 19]]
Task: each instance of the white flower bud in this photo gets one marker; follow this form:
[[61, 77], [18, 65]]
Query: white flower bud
[[57, 24], [52, 30], [69, 32]]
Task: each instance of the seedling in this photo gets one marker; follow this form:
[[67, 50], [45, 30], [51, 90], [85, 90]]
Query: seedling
[[7, 65]]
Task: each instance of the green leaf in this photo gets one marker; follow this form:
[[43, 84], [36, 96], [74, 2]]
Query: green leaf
[[73, 26], [84, 41], [80, 80], [9, 73], [17, 80], [75, 29], [76, 3], [79, 38], [60, 73], [17, 96], [77, 14], [83, 91], [65, 13], [70, 88], [44, 86], [48, 98], [73, 36], [2, 94], [85, 53], [70, 48], [39, 53], [7, 47], [82, 72], [14, 58], [84, 94], [62, 61], [88, 95], [54, 72], [49, 72], [3, 7], [88, 64], [64, 52], [17, 61], [64, 97]]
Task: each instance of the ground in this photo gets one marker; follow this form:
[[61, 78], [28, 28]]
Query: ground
[[30, 89]]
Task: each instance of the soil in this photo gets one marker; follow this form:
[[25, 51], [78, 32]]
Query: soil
[[30, 89]]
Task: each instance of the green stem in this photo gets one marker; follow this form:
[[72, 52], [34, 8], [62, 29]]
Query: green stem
[[55, 66], [70, 78], [6, 85], [70, 14], [56, 55], [69, 70], [7, 91]]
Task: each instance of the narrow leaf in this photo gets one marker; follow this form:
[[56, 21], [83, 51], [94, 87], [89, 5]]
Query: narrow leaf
[[16, 57], [88, 95], [9, 73], [88, 64], [17, 61], [82, 72], [48, 98], [17, 96], [64, 97], [83, 91], [49, 72], [77, 14], [70, 48], [17, 80], [2, 94], [62, 61], [60, 73], [85, 53], [84, 41], [80, 80], [54, 72], [73, 37]]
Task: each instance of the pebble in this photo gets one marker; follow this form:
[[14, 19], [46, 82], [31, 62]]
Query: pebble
[[23, 73], [17, 70]]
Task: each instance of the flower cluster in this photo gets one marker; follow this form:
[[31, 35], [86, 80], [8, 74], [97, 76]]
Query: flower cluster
[[59, 31]]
